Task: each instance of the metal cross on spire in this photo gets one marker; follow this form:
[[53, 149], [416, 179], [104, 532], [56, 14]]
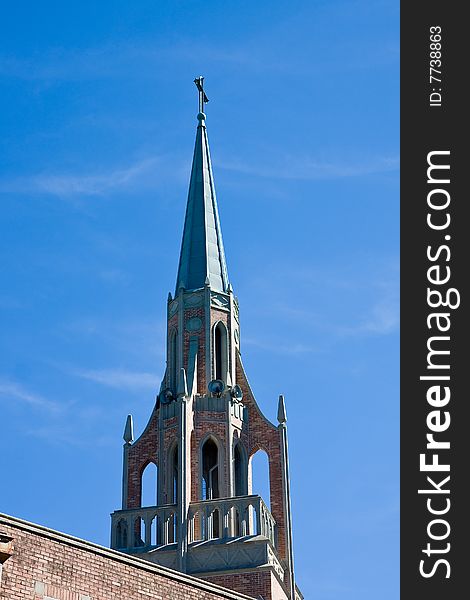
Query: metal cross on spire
[[203, 99]]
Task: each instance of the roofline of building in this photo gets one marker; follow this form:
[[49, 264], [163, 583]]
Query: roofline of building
[[139, 563]]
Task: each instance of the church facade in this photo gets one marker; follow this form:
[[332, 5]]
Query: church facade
[[205, 428]]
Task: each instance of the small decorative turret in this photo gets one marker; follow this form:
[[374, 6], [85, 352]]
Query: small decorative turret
[[281, 410], [128, 436]]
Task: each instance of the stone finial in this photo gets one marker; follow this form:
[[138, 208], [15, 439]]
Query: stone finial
[[182, 384], [170, 298], [207, 282], [281, 410], [129, 430]]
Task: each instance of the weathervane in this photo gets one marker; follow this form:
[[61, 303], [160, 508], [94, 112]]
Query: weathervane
[[203, 99]]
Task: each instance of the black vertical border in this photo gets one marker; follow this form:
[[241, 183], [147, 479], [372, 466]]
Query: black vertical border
[[425, 129]]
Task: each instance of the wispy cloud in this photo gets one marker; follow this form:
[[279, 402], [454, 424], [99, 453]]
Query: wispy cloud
[[69, 435], [383, 319], [120, 378], [147, 173], [11, 391], [69, 184], [137, 337], [67, 423], [301, 168], [118, 60], [146, 59], [336, 303], [279, 347], [383, 315]]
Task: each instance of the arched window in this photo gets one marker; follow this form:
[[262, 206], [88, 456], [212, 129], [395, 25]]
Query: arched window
[[173, 359], [220, 351], [240, 475], [237, 530], [259, 471], [121, 534], [149, 495], [210, 470], [172, 528], [173, 475], [139, 526], [215, 524]]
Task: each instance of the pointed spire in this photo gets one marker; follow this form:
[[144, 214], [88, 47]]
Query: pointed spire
[[281, 410], [202, 257], [128, 436]]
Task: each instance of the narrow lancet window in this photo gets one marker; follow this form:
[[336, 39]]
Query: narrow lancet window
[[210, 470], [149, 485], [240, 471], [220, 352]]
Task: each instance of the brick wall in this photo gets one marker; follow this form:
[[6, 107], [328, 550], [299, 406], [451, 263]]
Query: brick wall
[[261, 583], [141, 453], [49, 565]]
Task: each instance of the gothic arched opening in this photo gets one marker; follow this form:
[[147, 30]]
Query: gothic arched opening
[[172, 530], [237, 528], [139, 529], [220, 351], [215, 524], [149, 485], [156, 531], [121, 534], [210, 470], [240, 473], [259, 476]]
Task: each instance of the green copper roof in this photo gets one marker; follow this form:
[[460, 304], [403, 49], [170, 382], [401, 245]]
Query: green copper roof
[[202, 258]]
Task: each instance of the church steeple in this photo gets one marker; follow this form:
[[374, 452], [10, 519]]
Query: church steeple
[[202, 257], [205, 430]]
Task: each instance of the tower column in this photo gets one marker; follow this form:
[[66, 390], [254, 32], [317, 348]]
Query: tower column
[[128, 439], [282, 418], [229, 452], [232, 344], [180, 334], [183, 472], [208, 333]]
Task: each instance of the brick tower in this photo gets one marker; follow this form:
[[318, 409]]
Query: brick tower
[[205, 428]]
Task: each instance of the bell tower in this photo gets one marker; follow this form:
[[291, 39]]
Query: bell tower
[[205, 428]]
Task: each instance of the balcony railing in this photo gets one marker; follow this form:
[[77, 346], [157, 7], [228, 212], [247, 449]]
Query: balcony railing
[[144, 527], [221, 518], [229, 518]]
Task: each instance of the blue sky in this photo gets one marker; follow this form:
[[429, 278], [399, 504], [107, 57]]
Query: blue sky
[[97, 118]]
